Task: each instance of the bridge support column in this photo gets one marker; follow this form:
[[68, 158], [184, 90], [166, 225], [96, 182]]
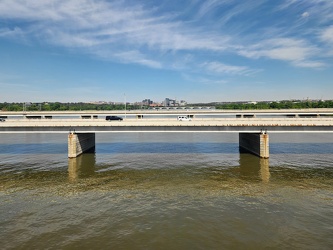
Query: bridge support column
[[255, 143], [80, 143]]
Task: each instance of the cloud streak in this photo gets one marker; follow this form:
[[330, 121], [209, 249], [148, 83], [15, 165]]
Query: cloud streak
[[142, 34], [327, 35], [221, 68], [103, 26], [294, 51]]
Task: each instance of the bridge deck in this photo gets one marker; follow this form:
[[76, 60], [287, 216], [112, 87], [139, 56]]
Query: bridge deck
[[169, 125]]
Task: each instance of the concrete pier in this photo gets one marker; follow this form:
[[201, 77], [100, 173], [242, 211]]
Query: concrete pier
[[255, 143], [79, 143]]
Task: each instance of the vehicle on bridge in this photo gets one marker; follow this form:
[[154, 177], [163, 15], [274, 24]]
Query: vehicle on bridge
[[113, 118], [2, 119], [184, 118]]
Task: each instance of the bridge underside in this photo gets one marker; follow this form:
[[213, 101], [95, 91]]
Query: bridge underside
[[255, 143]]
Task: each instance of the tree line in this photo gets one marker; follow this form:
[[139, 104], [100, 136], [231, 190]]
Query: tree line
[[58, 106], [277, 105]]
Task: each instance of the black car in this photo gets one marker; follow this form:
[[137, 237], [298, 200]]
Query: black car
[[113, 118]]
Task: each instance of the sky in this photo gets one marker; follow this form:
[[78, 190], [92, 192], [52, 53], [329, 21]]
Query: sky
[[192, 50]]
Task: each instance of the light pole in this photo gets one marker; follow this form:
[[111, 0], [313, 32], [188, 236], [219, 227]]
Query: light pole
[[125, 104]]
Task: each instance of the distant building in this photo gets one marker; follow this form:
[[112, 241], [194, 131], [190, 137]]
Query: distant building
[[98, 102], [169, 102], [154, 105], [173, 103], [182, 103], [147, 102]]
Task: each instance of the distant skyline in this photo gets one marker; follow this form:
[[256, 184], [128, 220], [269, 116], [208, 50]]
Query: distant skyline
[[193, 50]]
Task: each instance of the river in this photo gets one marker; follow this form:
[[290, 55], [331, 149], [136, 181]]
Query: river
[[166, 191]]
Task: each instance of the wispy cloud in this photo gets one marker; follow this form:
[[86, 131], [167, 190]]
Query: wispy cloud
[[11, 33], [295, 51], [137, 57], [305, 14], [221, 68], [327, 35], [211, 5], [321, 10], [108, 30], [87, 23], [208, 81], [204, 80], [142, 34]]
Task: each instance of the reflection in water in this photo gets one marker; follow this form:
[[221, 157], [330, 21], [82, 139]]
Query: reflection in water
[[264, 170], [164, 192], [81, 167], [253, 167]]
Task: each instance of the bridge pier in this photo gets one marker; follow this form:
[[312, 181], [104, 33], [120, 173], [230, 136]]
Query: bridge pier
[[255, 143], [80, 143]]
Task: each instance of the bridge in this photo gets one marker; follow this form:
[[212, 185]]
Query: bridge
[[253, 126], [170, 112]]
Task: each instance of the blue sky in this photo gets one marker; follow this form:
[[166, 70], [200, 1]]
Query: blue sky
[[195, 50]]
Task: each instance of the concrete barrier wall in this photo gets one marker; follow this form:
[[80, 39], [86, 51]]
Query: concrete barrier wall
[[80, 143], [255, 143]]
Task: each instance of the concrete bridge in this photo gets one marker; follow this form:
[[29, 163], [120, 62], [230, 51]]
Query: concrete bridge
[[171, 112], [253, 131]]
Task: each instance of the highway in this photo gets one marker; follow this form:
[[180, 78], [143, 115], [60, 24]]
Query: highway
[[275, 125], [168, 112]]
